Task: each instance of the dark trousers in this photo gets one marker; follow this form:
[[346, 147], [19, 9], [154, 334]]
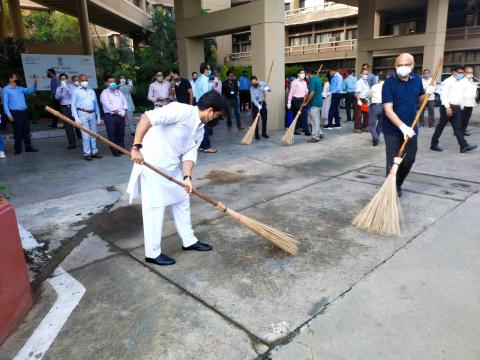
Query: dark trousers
[[245, 99], [206, 138], [466, 115], [21, 129], [69, 129], [431, 114], [455, 120], [349, 101], [302, 119], [115, 125], [361, 117], [56, 106], [263, 115], [333, 111], [392, 146], [375, 120], [233, 107]]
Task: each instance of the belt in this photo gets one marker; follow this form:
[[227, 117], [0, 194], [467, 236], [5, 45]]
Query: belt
[[67, 105], [87, 111]]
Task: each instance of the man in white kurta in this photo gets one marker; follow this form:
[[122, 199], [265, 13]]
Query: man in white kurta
[[169, 138]]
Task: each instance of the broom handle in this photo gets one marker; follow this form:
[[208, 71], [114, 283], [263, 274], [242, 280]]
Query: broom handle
[[264, 94], [127, 153], [319, 69], [422, 107]]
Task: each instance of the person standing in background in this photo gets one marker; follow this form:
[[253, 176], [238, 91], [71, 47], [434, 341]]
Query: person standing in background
[[336, 88], [244, 85], [349, 87], [257, 95], [127, 89], [361, 116], [230, 92], [63, 95], [327, 99], [192, 84], [376, 109], [202, 86], [183, 89], [469, 99], [160, 91], [54, 84], [315, 100], [296, 97], [216, 82], [426, 79], [372, 79]]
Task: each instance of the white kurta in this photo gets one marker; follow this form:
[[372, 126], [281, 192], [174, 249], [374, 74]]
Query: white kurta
[[174, 137]]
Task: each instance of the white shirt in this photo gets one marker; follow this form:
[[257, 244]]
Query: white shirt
[[174, 137], [452, 92], [470, 93], [375, 93], [362, 88], [425, 83], [192, 83]]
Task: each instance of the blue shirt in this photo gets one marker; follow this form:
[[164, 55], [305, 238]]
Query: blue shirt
[[257, 94], [54, 84], [404, 97], [336, 84], [350, 84], [202, 86], [14, 98], [86, 99], [244, 83]]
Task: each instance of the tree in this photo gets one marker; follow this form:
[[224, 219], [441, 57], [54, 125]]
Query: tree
[[51, 27]]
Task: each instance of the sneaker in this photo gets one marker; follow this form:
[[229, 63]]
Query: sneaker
[[2, 155], [337, 127]]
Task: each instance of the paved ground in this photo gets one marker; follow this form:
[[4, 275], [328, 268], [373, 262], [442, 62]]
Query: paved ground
[[347, 295]]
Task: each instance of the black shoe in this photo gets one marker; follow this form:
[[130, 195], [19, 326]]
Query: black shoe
[[97, 156], [257, 136], [199, 246], [161, 260], [70, 147], [133, 134], [31, 150], [88, 158], [399, 191], [296, 133], [17, 152], [308, 134], [375, 142], [468, 148], [266, 136], [436, 148], [116, 155], [466, 133]]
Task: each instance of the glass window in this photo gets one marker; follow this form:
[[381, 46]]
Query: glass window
[[470, 56], [302, 4], [287, 6], [351, 34], [300, 40]]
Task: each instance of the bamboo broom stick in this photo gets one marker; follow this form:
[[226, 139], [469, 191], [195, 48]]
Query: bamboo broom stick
[[280, 239]]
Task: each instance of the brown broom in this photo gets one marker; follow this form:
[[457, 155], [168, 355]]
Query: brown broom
[[248, 138], [280, 239], [383, 214], [289, 136]]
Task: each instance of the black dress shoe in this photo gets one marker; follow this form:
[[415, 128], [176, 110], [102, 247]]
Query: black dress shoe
[[399, 191], [436, 148], [161, 260], [199, 246], [296, 133], [468, 148], [70, 147], [375, 142], [308, 134], [17, 152], [266, 136], [31, 150], [88, 158], [466, 133], [257, 136], [97, 156]]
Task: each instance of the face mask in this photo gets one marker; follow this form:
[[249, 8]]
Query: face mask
[[122, 81], [84, 84], [469, 76], [365, 77], [213, 122], [459, 76], [64, 83], [209, 72], [112, 86], [76, 83], [255, 85], [403, 71], [302, 76], [194, 79], [160, 78]]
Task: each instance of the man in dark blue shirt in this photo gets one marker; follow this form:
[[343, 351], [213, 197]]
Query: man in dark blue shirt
[[401, 94]]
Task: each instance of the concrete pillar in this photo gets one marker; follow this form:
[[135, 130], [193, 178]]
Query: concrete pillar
[[224, 47], [437, 14], [294, 4], [84, 23], [3, 22], [190, 55], [365, 32], [16, 19], [268, 44]]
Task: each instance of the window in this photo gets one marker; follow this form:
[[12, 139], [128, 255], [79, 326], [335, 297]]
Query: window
[[351, 34], [302, 4], [405, 28], [328, 37], [300, 40], [287, 6]]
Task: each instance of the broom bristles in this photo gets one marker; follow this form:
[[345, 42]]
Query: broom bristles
[[247, 139], [383, 214], [289, 136], [278, 238]]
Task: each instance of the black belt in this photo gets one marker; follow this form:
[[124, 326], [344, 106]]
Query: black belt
[[87, 111], [68, 105]]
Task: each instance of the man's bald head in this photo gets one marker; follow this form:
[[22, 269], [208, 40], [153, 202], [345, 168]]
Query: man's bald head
[[405, 59]]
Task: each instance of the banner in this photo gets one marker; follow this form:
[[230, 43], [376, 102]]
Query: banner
[[38, 64]]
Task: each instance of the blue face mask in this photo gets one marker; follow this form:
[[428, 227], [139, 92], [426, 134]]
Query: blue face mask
[[209, 72], [112, 86], [459, 76]]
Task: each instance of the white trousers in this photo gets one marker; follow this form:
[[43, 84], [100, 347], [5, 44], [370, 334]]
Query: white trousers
[[314, 116], [153, 225]]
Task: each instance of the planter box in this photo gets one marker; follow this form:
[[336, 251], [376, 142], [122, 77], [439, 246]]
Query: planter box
[[15, 291]]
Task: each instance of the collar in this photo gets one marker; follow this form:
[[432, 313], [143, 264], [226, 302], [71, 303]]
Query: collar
[[198, 122]]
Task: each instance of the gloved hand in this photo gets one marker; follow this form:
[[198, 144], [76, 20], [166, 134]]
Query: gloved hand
[[266, 88], [407, 131], [121, 113], [430, 89], [289, 106], [259, 107], [359, 103]]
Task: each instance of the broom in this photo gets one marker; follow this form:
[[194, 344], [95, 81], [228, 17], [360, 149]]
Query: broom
[[383, 214], [280, 239], [247, 139], [289, 136]]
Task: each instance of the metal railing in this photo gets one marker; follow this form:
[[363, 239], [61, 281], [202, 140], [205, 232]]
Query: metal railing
[[240, 56], [318, 8], [465, 33]]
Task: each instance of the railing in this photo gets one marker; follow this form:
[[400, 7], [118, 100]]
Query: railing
[[313, 9], [465, 33], [240, 56], [345, 45]]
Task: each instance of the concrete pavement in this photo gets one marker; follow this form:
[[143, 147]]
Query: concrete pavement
[[245, 299]]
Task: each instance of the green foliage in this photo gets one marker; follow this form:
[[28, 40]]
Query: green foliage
[[210, 51], [4, 192], [291, 70], [237, 69], [51, 27], [10, 58]]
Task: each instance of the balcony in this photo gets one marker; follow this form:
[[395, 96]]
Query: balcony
[[462, 38], [328, 10], [304, 53]]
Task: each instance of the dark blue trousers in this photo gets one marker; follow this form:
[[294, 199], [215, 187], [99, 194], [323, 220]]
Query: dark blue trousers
[[21, 129], [115, 125]]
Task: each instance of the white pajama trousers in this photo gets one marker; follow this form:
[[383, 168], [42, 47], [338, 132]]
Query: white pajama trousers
[[153, 225]]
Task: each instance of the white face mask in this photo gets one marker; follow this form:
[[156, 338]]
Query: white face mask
[[403, 71], [302, 76], [64, 83], [76, 83], [469, 76], [122, 81], [84, 84], [365, 77]]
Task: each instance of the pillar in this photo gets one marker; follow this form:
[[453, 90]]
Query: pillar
[[3, 22], [437, 14], [16, 19], [84, 23], [268, 44], [365, 33]]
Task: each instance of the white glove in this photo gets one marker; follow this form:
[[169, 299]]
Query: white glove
[[289, 106], [266, 88], [430, 89], [259, 107], [359, 102], [407, 131], [121, 113]]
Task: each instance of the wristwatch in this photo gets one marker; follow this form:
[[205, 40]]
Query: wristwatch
[[138, 146], [187, 177]]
